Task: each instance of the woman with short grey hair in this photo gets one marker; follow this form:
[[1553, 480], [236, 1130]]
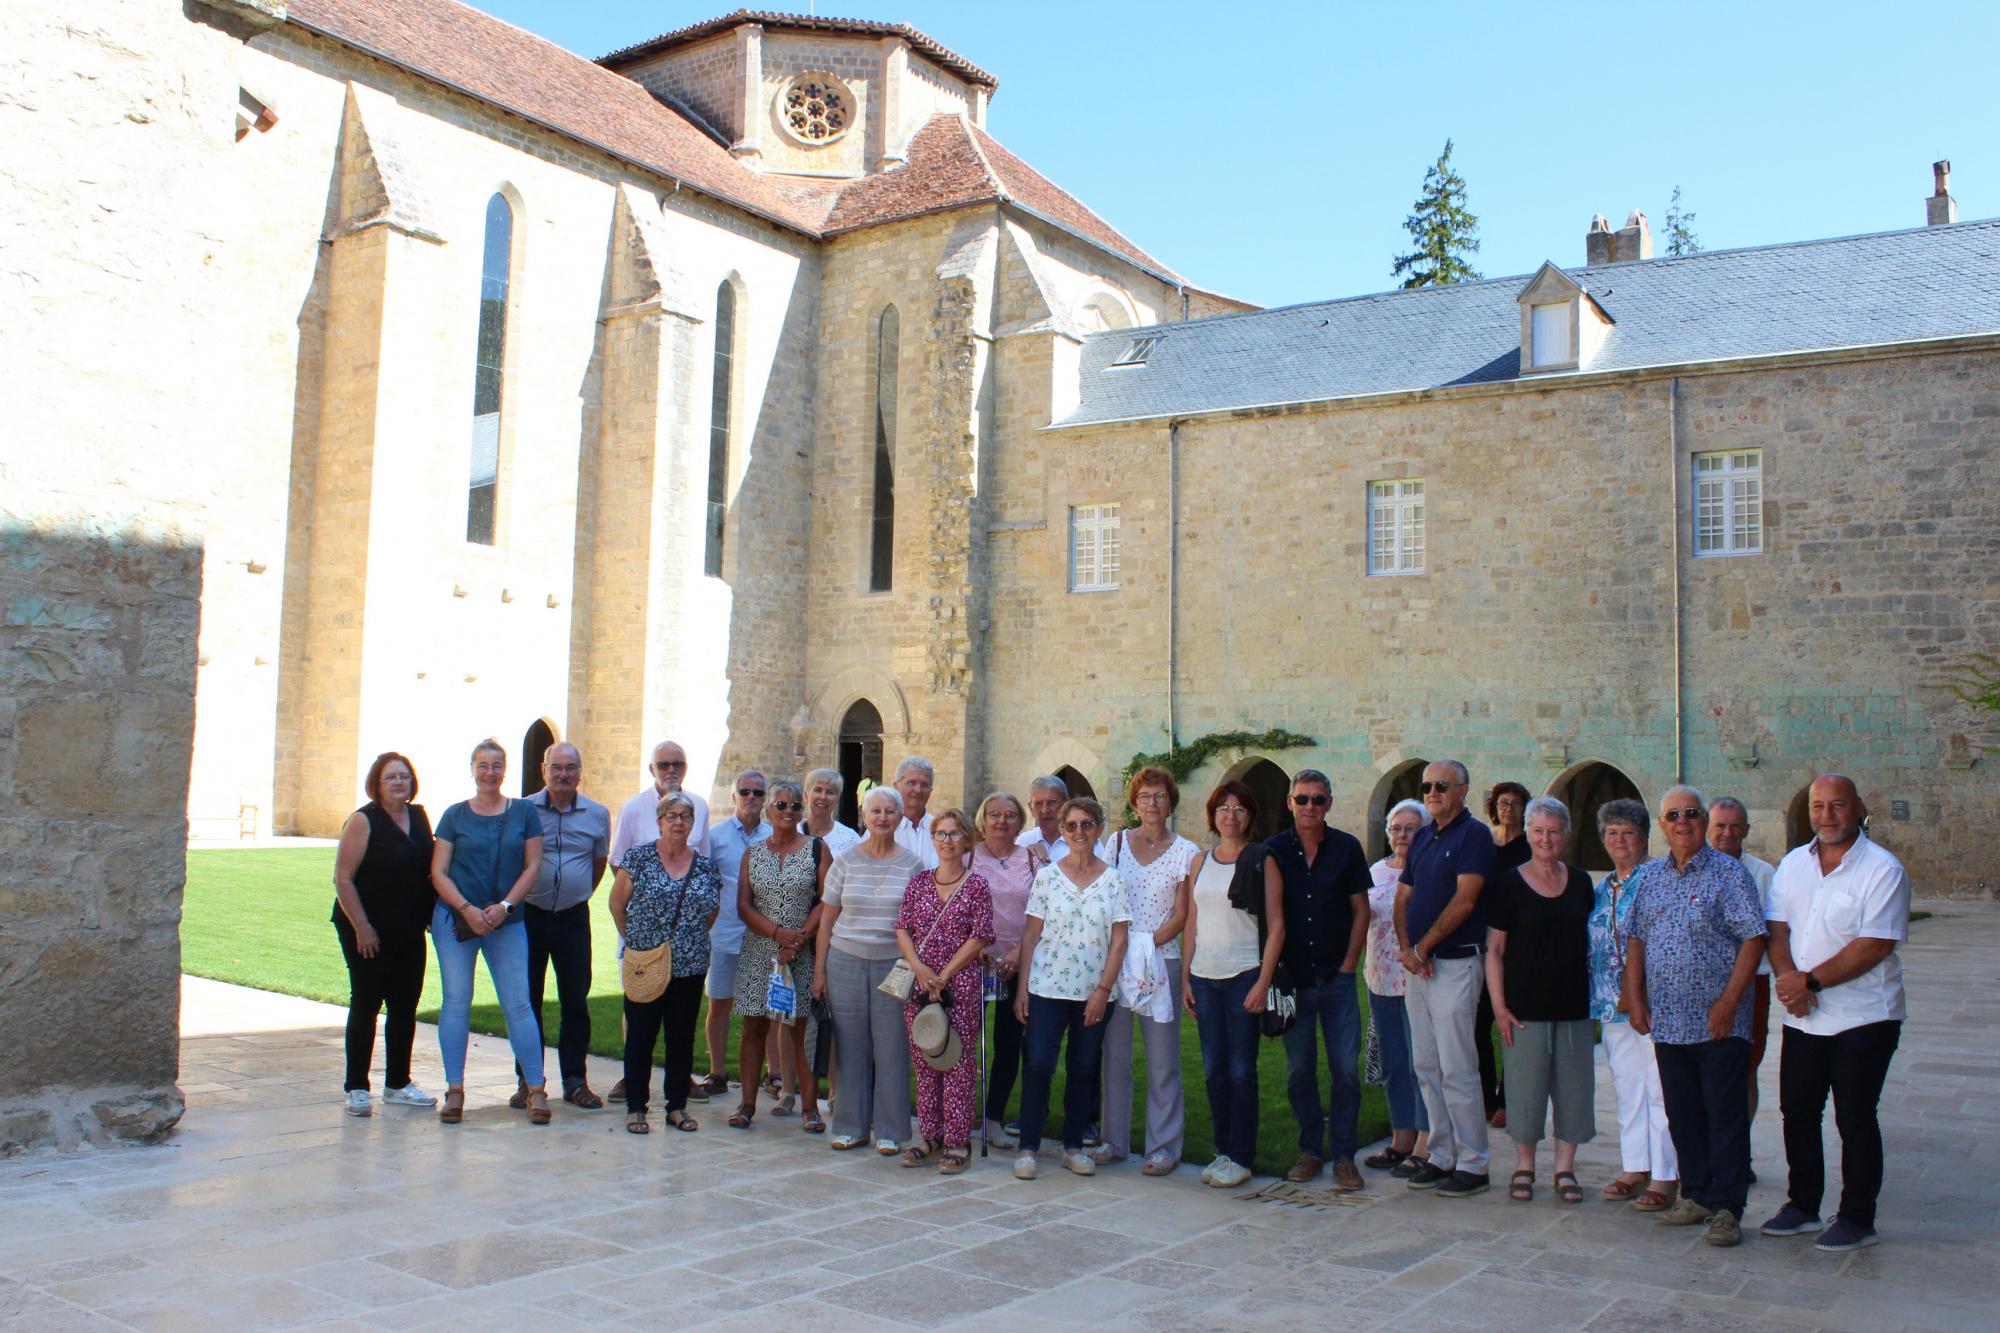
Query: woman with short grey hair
[[1538, 969], [778, 897], [1645, 1149], [857, 938], [1409, 1124]]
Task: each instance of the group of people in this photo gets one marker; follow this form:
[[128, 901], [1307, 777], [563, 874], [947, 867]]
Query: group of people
[[866, 956]]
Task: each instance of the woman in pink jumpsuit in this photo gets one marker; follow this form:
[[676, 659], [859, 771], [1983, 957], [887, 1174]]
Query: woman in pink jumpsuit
[[945, 925]]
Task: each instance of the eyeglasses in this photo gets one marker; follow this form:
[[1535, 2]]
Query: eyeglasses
[[1438, 787], [1687, 816], [749, 791], [670, 763], [782, 806], [1151, 798], [1311, 799], [678, 817], [1079, 826], [946, 835], [1231, 810]]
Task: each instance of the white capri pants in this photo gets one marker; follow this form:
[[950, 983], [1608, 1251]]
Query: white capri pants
[[1643, 1142]]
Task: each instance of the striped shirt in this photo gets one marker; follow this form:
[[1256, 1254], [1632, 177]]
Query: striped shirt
[[869, 894]]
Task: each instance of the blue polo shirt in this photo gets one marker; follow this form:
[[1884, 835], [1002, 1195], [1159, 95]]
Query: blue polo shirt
[[1438, 856]]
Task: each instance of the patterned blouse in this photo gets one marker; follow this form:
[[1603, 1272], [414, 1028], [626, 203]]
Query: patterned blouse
[[1384, 969], [1150, 889], [657, 896], [1610, 920], [1694, 921], [1076, 932], [940, 929]]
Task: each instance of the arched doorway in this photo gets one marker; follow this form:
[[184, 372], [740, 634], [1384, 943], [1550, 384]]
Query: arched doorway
[[533, 746], [1583, 789], [860, 758], [1401, 783], [1272, 787], [1798, 819], [1078, 784]]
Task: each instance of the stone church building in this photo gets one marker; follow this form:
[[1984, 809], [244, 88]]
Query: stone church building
[[384, 376]]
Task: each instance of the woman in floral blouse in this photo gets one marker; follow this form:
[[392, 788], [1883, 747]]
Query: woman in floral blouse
[[666, 891], [1071, 951], [1646, 1150], [945, 925], [1409, 1124]]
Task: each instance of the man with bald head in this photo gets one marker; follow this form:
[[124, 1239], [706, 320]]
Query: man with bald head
[[1839, 907], [1693, 945], [576, 837]]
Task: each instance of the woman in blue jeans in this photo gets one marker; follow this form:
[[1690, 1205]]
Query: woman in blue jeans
[[489, 850], [1409, 1124], [1225, 975]]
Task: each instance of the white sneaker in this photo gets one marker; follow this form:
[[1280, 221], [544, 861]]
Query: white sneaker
[[357, 1102], [1079, 1163], [996, 1136], [1230, 1176], [408, 1095], [888, 1147], [1025, 1166], [1208, 1172]]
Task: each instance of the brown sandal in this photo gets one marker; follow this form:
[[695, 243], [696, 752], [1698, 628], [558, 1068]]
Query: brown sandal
[[538, 1106], [635, 1123], [955, 1161], [1657, 1200], [921, 1154], [1621, 1189], [452, 1109], [682, 1121], [1521, 1187], [742, 1116], [1572, 1192]]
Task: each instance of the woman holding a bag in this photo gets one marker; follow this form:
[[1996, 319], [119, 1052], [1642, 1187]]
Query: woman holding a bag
[[777, 895], [945, 923], [664, 900], [1226, 973]]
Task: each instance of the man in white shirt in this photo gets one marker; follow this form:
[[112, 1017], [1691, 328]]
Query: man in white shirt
[[914, 779], [638, 818], [1046, 795], [1728, 826], [1839, 907]]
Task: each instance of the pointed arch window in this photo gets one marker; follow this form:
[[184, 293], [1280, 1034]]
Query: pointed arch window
[[721, 390], [882, 526], [483, 487]]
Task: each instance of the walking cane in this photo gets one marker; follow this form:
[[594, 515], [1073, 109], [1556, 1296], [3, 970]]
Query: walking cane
[[986, 984]]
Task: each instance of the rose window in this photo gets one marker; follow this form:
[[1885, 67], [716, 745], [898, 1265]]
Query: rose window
[[816, 108]]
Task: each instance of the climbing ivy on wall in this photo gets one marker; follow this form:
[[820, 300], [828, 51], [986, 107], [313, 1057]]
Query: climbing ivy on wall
[[1183, 761]]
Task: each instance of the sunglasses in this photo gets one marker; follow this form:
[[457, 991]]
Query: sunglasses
[[1312, 800], [1689, 815], [783, 806], [947, 835], [1079, 826], [749, 791], [1439, 788]]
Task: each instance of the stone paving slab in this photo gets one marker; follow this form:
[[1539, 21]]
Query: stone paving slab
[[270, 1208]]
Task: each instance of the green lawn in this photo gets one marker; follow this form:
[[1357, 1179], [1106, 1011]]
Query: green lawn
[[261, 918]]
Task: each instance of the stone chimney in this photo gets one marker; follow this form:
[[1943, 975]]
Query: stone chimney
[[1632, 241], [1597, 241], [1941, 210]]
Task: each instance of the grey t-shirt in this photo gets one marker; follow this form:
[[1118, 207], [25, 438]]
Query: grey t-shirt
[[869, 894]]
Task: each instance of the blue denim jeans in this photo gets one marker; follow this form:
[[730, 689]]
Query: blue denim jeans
[[506, 951], [1329, 1009], [1399, 1063], [1049, 1021], [1229, 1040]]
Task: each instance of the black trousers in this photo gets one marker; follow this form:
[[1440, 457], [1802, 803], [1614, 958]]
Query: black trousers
[[675, 1012], [1706, 1086], [1492, 1089], [1006, 1066], [393, 977], [562, 938], [1851, 1065]]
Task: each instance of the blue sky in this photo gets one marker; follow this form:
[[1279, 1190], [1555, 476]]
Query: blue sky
[[1272, 151]]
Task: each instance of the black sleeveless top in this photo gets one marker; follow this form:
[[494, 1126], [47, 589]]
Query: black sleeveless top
[[394, 877]]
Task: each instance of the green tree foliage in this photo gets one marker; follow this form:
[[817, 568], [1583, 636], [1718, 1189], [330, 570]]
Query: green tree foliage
[[1679, 230], [1977, 681], [1446, 233]]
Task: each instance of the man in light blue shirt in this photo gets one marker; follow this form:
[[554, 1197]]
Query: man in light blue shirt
[[727, 842], [575, 834]]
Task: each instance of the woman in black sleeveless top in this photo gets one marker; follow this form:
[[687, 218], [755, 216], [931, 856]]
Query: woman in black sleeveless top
[[381, 912]]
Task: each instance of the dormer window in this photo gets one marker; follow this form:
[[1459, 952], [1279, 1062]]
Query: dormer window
[[1562, 325], [1138, 351], [1548, 334]]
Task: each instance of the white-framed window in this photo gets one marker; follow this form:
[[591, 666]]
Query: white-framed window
[[1729, 502], [1093, 548], [1396, 527], [1548, 331]]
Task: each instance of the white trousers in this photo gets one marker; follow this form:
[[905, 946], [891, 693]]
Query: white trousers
[[1643, 1142], [1440, 1010]]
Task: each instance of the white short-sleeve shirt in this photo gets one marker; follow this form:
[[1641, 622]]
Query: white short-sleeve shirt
[[1867, 896], [1075, 941], [639, 821], [1761, 873]]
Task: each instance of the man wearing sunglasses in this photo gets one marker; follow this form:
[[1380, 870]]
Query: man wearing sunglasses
[[1692, 950], [1441, 924], [727, 842]]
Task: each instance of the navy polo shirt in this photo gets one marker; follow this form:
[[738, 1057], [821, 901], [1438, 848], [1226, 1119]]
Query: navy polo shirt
[[1438, 856], [1320, 900]]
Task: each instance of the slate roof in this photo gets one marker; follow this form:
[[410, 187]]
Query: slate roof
[[1855, 291], [936, 50]]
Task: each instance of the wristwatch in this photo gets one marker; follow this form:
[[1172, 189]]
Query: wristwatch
[[507, 906], [1812, 983]]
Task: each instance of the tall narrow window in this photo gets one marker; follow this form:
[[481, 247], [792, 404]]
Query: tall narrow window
[[1549, 331], [721, 389], [1729, 503], [483, 495], [1093, 548], [882, 528], [1395, 527]]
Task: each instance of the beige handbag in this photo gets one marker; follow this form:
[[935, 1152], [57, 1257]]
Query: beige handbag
[[646, 972], [902, 978]]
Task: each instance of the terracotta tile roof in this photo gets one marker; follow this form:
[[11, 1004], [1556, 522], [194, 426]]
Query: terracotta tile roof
[[499, 63], [937, 51], [952, 164]]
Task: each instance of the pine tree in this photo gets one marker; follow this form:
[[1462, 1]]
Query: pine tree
[[1446, 234], [1679, 229]]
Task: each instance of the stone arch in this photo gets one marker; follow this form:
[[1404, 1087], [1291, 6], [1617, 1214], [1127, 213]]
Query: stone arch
[[535, 742], [859, 747], [829, 706], [1103, 308], [1399, 782], [1077, 783], [1067, 753], [1583, 787], [1272, 786]]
